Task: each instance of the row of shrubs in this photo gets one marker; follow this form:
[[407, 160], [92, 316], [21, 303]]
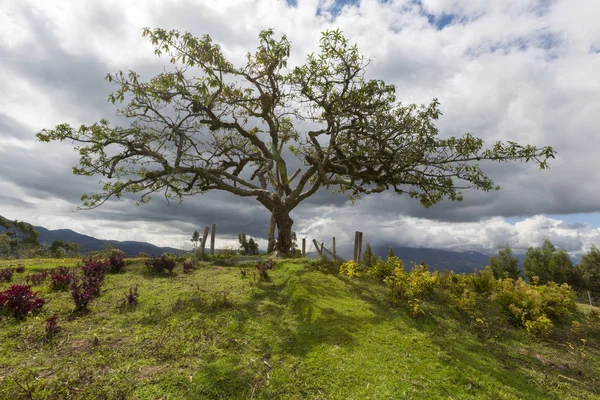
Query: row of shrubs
[[477, 296], [84, 281]]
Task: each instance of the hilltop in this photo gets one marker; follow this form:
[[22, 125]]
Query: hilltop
[[306, 333]]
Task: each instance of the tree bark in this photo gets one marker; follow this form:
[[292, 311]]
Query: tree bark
[[284, 230], [271, 234]]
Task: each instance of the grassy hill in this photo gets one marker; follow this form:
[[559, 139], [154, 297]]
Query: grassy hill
[[307, 333]]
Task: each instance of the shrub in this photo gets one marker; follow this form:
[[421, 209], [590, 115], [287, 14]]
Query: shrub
[[481, 281], [530, 306], [95, 267], [61, 278], [6, 274], [159, 265], [188, 267], [264, 267], [228, 250], [384, 268], [61, 282], [19, 300], [116, 261], [131, 298], [414, 306], [20, 269], [415, 284], [37, 279], [52, 327], [350, 268], [540, 326], [84, 290]]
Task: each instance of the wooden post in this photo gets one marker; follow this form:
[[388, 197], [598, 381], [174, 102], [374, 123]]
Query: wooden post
[[204, 237], [355, 256], [334, 256], [303, 247], [322, 246], [317, 247], [590, 297], [212, 239], [360, 235]]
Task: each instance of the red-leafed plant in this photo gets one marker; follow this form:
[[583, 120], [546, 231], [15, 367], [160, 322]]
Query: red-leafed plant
[[159, 265], [116, 261], [264, 267], [19, 301], [6, 274], [188, 267], [61, 278], [132, 296], [95, 266], [52, 327], [37, 279], [84, 290]]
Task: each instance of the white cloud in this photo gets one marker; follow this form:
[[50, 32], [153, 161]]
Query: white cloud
[[486, 235]]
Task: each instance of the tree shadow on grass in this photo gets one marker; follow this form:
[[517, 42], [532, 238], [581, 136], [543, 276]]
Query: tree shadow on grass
[[302, 310]]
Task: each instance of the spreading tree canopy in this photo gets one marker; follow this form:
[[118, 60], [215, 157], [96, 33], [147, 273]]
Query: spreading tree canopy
[[208, 124]]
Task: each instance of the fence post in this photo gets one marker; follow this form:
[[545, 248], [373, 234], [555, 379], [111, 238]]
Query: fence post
[[334, 255], [322, 246], [355, 256], [303, 247], [317, 247], [360, 237], [590, 297], [212, 239], [204, 237]]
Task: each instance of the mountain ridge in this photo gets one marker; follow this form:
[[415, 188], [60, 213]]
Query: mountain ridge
[[89, 243]]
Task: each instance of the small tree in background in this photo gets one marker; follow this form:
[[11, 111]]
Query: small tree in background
[[549, 264], [505, 264], [248, 246], [589, 270], [195, 239], [369, 258], [390, 253], [252, 247]]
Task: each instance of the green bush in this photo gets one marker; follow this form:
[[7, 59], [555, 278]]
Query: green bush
[[540, 326], [415, 284], [350, 268], [384, 268], [531, 306]]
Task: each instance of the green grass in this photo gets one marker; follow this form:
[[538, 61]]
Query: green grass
[[305, 334]]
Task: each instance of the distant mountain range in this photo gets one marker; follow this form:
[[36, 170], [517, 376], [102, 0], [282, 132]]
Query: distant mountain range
[[458, 261], [436, 258], [88, 243]]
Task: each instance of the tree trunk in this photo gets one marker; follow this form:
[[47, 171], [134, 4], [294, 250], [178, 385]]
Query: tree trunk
[[271, 234], [284, 230]]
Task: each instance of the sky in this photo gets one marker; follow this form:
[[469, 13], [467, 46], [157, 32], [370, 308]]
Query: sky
[[523, 70]]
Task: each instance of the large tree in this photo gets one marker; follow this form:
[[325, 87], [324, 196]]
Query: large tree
[[208, 124]]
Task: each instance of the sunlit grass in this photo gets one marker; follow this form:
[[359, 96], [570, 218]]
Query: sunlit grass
[[304, 334]]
